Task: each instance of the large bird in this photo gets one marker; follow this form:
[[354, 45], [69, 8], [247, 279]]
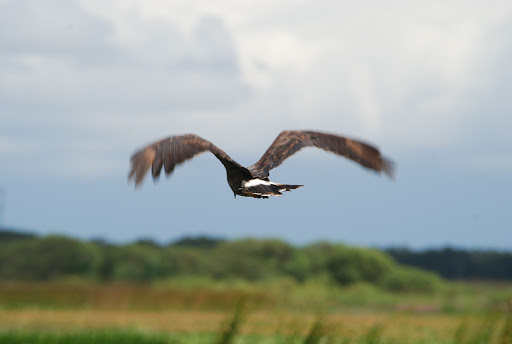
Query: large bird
[[253, 181]]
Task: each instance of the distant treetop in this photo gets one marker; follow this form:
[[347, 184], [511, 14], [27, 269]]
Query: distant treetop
[[198, 241]]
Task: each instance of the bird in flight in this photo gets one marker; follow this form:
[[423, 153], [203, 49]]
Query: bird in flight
[[253, 181]]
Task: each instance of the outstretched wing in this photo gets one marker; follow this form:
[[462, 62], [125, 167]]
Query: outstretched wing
[[290, 142], [172, 151]]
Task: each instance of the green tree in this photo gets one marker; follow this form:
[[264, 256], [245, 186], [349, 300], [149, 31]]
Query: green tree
[[11, 235], [199, 241], [407, 279], [136, 263], [299, 266], [350, 265], [184, 260], [248, 259], [47, 258]]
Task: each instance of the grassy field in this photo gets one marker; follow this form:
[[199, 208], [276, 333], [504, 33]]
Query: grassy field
[[277, 312]]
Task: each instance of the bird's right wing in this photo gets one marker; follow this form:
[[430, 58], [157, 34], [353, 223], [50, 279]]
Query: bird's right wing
[[172, 151], [290, 142]]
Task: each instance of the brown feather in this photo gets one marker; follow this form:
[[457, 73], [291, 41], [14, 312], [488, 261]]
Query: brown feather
[[290, 142], [173, 151]]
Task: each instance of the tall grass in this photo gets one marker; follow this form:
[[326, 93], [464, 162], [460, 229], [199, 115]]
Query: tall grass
[[276, 294], [82, 312], [124, 296], [319, 332], [506, 333], [228, 332], [373, 336], [103, 337], [493, 330]]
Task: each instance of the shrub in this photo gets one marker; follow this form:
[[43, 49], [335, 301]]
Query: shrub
[[406, 279], [136, 263], [351, 265], [47, 258]]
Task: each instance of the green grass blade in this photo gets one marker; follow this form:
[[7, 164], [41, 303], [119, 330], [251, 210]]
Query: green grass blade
[[229, 330]]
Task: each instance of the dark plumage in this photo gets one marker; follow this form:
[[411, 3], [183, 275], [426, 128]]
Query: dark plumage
[[253, 181]]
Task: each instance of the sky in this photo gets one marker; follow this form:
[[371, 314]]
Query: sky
[[84, 83]]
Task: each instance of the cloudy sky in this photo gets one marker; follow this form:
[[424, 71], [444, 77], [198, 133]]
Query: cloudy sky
[[84, 83]]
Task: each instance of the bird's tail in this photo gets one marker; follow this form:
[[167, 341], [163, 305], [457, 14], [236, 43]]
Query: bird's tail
[[268, 189], [287, 187]]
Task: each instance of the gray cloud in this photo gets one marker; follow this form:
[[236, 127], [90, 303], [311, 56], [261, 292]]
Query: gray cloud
[[60, 55], [56, 28], [65, 75], [406, 76]]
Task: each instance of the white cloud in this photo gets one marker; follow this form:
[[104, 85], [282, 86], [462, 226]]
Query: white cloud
[[405, 75]]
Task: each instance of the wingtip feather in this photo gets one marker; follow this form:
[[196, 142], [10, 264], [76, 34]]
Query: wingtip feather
[[388, 167]]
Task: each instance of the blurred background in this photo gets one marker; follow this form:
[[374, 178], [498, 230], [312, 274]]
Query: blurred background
[[83, 84]]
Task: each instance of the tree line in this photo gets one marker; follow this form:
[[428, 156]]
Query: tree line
[[26, 256], [453, 263]]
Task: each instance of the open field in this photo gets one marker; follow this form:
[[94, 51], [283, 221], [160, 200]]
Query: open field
[[275, 295], [81, 313], [259, 327], [347, 325]]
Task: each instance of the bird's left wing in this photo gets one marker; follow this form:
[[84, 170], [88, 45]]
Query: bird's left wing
[[290, 142], [170, 152]]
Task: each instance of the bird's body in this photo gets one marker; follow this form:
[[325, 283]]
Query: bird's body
[[252, 181]]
